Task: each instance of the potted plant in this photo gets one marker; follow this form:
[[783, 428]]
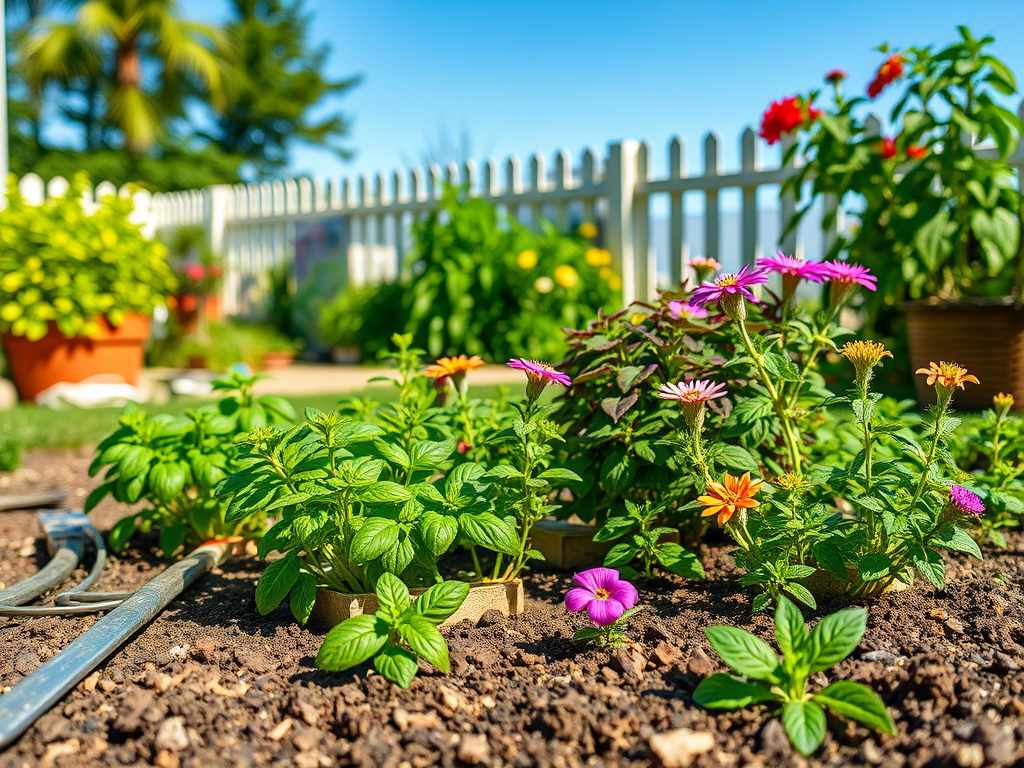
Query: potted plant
[[199, 270], [77, 289], [939, 220]]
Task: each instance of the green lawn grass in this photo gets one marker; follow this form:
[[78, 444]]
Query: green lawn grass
[[33, 427]]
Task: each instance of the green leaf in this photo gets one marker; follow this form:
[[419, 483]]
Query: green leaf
[[857, 702], [835, 637], [392, 452], [438, 532], [172, 538], [352, 642], [931, 565], [276, 582], [744, 653], [121, 533], [621, 554], [397, 665], [392, 593], [488, 530], [614, 528], [167, 479], [723, 691], [736, 457], [781, 366], [679, 561], [958, 540], [376, 536], [422, 636], [874, 566], [430, 455], [96, 495], [801, 593], [303, 597], [830, 559], [933, 242], [804, 722], [791, 632], [560, 475], [441, 600], [617, 471], [385, 492]]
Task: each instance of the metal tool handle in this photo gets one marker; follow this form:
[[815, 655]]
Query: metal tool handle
[[34, 695]]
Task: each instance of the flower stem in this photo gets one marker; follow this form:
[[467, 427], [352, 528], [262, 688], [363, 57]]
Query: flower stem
[[932, 448]]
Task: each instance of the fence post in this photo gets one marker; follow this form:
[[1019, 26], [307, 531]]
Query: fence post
[[620, 185], [219, 198]]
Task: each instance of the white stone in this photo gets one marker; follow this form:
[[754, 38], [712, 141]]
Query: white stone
[[678, 748]]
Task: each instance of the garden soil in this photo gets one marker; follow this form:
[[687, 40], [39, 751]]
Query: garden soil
[[211, 683]]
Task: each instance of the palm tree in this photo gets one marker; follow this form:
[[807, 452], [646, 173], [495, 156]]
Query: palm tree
[[108, 50]]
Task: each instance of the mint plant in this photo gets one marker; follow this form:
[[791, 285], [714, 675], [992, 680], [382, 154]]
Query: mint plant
[[759, 677], [175, 464], [401, 632], [642, 533]]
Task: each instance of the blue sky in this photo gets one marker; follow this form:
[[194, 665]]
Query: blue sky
[[531, 75]]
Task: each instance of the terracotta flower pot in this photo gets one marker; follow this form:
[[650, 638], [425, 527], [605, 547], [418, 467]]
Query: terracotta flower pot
[[186, 311], [276, 361], [985, 336], [570, 546], [332, 608], [56, 358]]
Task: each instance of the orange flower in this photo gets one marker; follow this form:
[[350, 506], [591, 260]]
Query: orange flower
[[453, 366], [948, 375], [723, 499], [914, 152]]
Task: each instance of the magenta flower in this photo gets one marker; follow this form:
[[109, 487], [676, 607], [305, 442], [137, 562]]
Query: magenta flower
[[850, 274], [728, 286], [791, 266], [605, 596], [692, 391], [540, 370], [966, 501], [681, 310]]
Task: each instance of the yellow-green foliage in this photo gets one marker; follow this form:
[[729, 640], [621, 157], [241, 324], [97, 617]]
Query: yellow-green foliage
[[59, 263]]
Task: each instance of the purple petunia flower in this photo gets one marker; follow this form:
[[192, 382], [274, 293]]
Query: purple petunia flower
[[681, 310], [850, 274], [791, 266], [730, 285], [605, 596], [966, 501]]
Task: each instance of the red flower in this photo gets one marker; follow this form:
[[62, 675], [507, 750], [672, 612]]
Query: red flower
[[216, 271], [835, 76], [915, 152], [891, 69], [886, 148], [463, 447], [195, 272], [785, 116]]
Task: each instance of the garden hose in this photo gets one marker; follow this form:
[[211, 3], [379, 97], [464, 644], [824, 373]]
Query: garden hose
[[34, 695]]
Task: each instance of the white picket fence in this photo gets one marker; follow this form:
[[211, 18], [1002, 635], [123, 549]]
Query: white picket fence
[[253, 226]]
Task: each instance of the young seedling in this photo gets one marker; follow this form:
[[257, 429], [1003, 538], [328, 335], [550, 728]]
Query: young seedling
[[399, 634], [643, 542], [761, 679]]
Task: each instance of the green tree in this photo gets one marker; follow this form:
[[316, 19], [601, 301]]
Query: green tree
[[134, 63], [278, 81]]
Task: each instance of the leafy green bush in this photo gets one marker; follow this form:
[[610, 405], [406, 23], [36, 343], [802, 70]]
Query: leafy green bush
[[62, 265], [174, 465], [10, 455], [938, 219], [481, 285]]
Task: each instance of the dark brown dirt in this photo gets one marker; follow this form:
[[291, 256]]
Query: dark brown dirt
[[212, 683]]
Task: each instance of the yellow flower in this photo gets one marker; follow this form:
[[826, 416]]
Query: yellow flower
[[451, 366], [1002, 402], [615, 283], [543, 284], [864, 355], [527, 259], [566, 276], [588, 230], [598, 257], [637, 318]]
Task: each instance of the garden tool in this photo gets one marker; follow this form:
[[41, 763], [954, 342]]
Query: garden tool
[[67, 533], [32, 500]]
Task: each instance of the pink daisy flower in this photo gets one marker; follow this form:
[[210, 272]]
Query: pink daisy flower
[[605, 596], [851, 274], [542, 371], [791, 266], [681, 310], [966, 501], [692, 391], [726, 286]]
